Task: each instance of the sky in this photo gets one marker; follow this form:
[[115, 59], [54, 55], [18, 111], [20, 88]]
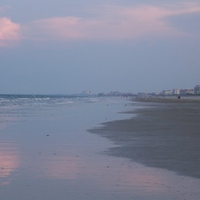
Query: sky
[[66, 47]]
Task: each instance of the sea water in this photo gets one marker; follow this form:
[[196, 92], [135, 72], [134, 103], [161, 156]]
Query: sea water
[[46, 153]]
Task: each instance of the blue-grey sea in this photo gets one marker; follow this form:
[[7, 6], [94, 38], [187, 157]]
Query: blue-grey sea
[[46, 153]]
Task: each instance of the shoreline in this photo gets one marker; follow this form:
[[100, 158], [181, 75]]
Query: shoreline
[[165, 134]]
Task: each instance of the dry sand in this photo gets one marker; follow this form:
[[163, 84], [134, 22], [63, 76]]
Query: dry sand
[[164, 134]]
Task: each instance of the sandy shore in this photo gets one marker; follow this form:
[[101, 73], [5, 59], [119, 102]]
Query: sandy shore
[[164, 134]]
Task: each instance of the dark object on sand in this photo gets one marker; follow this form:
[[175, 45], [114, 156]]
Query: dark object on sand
[[179, 97]]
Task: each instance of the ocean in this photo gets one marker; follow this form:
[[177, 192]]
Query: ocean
[[47, 152]]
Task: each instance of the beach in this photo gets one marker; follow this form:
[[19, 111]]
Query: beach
[[51, 147], [164, 133]]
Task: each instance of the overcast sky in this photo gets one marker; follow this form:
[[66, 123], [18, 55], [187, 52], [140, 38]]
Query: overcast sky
[[64, 47]]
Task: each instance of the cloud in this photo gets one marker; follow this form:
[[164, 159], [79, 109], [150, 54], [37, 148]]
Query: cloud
[[9, 32], [112, 23], [106, 22], [55, 28]]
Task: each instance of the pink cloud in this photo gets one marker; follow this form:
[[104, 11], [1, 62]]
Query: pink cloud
[[113, 23], [9, 32], [56, 28]]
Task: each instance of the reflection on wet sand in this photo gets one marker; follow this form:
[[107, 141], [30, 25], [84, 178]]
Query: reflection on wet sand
[[61, 167], [116, 176], [9, 162], [88, 174]]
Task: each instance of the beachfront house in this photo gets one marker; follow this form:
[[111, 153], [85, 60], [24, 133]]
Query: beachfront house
[[186, 91], [176, 91], [166, 92]]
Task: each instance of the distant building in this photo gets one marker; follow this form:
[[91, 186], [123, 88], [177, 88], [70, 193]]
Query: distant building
[[176, 91], [186, 91], [86, 92], [155, 93], [197, 89], [166, 92]]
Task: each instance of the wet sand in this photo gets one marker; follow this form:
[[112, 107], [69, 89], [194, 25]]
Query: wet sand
[[47, 154], [165, 133]]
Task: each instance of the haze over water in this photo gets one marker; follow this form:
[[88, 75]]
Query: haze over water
[[46, 153]]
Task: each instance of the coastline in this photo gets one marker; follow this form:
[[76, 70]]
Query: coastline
[[165, 134]]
